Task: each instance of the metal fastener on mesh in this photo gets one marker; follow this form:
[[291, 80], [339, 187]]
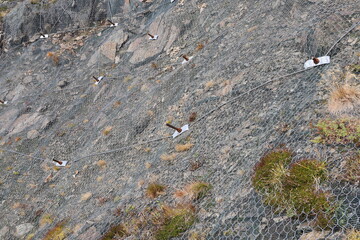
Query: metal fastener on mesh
[[60, 163], [98, 79], [178, 130], [112, 24], [153, 37]]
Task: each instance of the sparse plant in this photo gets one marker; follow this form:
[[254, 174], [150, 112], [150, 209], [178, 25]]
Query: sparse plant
[[175, 221], [58, 232], [154, 190], [192, 117], [117, 104], [168, 157], [194, 191], [154, 66], [46, 219], [54, 57], [3, 11], [355, 68], [101, 163], [338, 131], [352, 168], [199, 46], [107, 130], [352, 234], [115, 232], [197, 236], [183, 147], [194, 165], [209, 85], [343, 98]]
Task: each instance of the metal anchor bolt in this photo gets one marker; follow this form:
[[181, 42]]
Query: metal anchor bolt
[[316, 60], [186, 57], [59, 162], [177, 129]]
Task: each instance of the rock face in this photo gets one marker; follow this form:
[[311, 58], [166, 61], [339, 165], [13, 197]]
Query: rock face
[[107, 52], [238, 84], [27, 19], [23, 229], [143, 48]]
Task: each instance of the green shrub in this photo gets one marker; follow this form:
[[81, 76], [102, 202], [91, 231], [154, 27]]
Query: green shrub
[[176, 221], [115, 232], [271, 171], [293, 188], [338, 131]]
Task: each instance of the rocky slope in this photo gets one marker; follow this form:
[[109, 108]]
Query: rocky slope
[[239, 82]]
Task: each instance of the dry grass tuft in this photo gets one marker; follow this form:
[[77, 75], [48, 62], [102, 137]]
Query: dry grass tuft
[[209, 85], [107, 130], [154, 66], [154, 190], [343, 98], [199, 47], [352, 169], [54, 57], [353, 235], [183, 147], [193, 191], [168, 157], [46, 219], [85, 196], [101, 163], [192, 117], [58, 232], [116, 104]]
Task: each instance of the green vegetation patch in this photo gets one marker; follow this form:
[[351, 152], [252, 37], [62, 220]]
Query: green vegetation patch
[[355, 68], [338, 131], [352, 168], [176, 222], [271, 170], [163, 222], [293, 188], [115, 232]]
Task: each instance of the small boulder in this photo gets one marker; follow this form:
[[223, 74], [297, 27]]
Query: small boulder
[[62, 84], [23, 229], [33, 134]]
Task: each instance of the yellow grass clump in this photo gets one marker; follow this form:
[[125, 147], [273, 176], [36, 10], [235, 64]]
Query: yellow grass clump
[[353, 235], [58, 232], [343, 98], [101, 163], [193, 191], [154, 190], [168, 157], [183, 147], [107, 130], [54, 57]]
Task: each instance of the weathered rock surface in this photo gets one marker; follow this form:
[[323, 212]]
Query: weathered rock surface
[[239, 50], [23, 229]]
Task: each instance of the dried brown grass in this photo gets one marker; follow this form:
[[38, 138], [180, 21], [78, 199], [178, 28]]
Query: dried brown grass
[[343, 99], [183, 147], [168, 157]]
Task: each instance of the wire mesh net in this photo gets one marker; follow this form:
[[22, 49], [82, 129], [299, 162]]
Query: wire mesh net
[[260, 102]]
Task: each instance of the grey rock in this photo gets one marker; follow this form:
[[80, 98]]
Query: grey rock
[[3, 231], [62, 84], [27, 79], [23, 229], [91, 233], [33, 134]]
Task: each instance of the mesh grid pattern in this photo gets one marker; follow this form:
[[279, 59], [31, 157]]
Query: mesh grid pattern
[[234, 128]]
